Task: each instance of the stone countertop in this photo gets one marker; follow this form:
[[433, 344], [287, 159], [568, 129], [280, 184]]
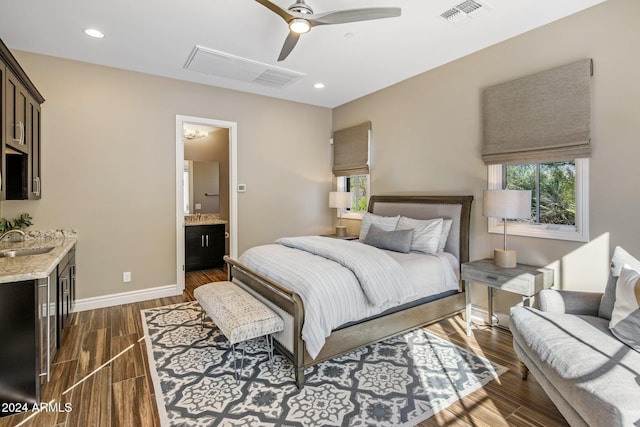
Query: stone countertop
[[205, 222], [203, 219], [30, 267]]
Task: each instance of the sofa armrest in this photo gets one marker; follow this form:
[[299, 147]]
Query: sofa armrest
[[570, 302]]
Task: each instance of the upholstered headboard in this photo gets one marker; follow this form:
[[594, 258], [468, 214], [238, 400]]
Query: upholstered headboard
[[458, 208]]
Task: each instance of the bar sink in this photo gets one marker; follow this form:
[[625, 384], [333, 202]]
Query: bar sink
[[12, 253]]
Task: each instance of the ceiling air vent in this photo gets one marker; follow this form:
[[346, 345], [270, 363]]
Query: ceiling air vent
[[225, 65], [463, 11]]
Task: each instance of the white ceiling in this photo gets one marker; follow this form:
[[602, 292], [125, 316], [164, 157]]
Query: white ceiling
[[157, 37]]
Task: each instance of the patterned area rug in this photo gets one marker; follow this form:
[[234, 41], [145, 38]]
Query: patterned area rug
[[400, 381]]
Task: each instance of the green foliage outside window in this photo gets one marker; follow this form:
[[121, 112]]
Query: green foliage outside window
[[357, 185], [553, 190]]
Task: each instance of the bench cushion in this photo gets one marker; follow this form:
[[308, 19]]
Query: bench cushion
[[238, 314]]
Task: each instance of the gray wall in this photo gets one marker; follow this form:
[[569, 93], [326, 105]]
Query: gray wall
[[109, 167], [427, 134]]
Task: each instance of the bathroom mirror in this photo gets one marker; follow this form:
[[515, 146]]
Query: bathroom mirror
[[201, 187]]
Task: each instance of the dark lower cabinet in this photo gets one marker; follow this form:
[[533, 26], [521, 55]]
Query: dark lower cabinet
[[34, 318], [28, 333], [204, 246], [66, 293]]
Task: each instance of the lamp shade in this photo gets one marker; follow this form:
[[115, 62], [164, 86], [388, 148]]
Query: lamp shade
[[339, 199], [509, 204]]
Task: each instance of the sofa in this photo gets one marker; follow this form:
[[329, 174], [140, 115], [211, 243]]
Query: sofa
[[591, 375]]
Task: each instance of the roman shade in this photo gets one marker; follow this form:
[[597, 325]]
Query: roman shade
[[539, 118], [351, 150]]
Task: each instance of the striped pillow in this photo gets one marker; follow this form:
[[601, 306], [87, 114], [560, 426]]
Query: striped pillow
[[386, 223], [426, 233]]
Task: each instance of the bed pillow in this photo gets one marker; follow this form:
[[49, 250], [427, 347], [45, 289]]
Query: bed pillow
[[426, 233], [618, 260], [625, 318], [387, 223], [396, 240], [446, 228]]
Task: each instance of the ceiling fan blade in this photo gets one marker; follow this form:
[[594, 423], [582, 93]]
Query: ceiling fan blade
[[275, 9], [354, 15], [289, 44]]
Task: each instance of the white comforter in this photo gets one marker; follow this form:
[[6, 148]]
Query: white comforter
[[340, 281]]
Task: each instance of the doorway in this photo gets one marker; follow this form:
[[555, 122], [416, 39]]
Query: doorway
[[189, 128]]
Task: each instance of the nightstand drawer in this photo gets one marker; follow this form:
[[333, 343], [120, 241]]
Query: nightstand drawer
[[523, 284], [523, 280]]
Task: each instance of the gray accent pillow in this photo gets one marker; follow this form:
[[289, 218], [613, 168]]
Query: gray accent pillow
[[396, 240], [618, 260], [625, 319]]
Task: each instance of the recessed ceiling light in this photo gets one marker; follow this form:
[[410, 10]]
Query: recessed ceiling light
[[92, 32], [319, 85]]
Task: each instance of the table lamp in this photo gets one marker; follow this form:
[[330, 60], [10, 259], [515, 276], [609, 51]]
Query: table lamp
[[506, 204], [340, 200]]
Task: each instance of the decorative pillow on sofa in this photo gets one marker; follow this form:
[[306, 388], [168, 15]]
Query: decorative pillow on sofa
[[426, 233], [387, 223], [618, 260], [396, 240], [625, 319]]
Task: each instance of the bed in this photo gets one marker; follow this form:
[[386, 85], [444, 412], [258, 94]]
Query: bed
[[398, 314]]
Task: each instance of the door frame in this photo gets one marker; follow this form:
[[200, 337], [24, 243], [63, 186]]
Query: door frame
[[233, 184]]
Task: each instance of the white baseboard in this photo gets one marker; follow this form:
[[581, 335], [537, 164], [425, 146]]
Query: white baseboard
[[126, 298]]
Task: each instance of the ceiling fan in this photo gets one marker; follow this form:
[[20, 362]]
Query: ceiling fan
[[300, 18]]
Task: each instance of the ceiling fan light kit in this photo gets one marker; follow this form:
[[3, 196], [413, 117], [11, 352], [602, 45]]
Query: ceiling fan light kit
[[299, 25], [300, 18]]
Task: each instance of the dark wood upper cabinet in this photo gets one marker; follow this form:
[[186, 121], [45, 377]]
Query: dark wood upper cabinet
[[3, 69], [33, 136], [20, 120]]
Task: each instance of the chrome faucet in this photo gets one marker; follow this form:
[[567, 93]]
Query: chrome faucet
[[6, 233]]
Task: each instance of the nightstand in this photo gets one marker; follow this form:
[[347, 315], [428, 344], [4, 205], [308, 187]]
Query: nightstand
[[333, 236], [525, 280]]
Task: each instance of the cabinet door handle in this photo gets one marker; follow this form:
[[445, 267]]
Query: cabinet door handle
[[36, 180], [492, 277], [207, 240], [202, 241], [20, 126]]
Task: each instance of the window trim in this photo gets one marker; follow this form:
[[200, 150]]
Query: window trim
[[577, 233], [341, 186]]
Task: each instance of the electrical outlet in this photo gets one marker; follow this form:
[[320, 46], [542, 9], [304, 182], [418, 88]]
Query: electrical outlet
[[126, 277]]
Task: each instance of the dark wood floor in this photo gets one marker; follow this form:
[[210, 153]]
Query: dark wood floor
[[102, 372]]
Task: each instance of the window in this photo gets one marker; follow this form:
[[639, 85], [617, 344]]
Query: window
[[559, 198], [358, 185]]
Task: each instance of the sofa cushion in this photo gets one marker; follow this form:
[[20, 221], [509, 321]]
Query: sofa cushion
[[618, 260], [625, 319], [597, 374]]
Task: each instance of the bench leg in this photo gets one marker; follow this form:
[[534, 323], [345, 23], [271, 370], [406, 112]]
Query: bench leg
[[238, 376], [201, 318]]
